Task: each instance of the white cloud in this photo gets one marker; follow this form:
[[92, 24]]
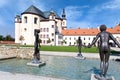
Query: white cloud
[[81, 24], [114, 4], [23, 6], [74, 12], [110, 5]]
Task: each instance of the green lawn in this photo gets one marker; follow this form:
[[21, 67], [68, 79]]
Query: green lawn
[[68, 49]]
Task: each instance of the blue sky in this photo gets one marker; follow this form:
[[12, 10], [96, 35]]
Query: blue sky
[[80, 13]]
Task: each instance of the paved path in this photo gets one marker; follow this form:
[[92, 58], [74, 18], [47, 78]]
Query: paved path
[[13, 76], [74, 54], [115, 49], [2, 57]]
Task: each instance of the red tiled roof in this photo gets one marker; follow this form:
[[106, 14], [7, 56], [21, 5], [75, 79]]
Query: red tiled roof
[[92, 31]]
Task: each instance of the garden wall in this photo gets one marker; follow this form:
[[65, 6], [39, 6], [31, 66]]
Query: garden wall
[[26, 53]]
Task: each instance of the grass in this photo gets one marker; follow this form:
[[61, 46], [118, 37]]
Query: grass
[[68, 49]]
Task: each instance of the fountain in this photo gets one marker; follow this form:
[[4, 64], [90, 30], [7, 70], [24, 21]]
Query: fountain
[[36, 61], [64, 68]]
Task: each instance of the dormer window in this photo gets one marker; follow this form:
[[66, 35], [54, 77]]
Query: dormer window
[[35, 20], [25, 19], [52, 16]]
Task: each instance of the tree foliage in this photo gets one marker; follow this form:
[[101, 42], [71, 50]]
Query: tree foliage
[[6, 38], [48, 41]]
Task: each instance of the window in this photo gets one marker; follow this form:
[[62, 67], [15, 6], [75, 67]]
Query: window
[[25, 19], [84, 44], [44, 29], [41, 29], [89, 38], [52, 34], [43, 36], [47, 36], [63, 23], [40, 36], [52, 26], [47, 29], [35, 20], [65, 38], [44, 41], [25, 29], [84, 38], [52, 39], [74, 38]]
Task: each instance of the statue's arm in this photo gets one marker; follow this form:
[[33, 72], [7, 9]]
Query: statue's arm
[[94, 40], [115, 41]]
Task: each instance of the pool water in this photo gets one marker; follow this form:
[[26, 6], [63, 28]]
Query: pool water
[[68, 68]]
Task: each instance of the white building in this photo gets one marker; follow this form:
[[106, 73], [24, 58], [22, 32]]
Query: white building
[[49, 23], [70, 36], [53, 29]]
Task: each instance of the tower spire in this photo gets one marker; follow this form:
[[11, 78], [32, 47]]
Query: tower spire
[[63, 14]]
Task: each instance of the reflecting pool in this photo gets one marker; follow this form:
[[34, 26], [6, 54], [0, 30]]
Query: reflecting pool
[[68, 68]]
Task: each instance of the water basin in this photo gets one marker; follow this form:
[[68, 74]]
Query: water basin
[[68, 68]]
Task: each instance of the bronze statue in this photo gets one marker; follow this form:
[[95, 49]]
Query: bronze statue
[[104, 50], [36, 46], [79, 46]]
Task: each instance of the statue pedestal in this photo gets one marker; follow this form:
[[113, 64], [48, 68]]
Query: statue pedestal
[[38, 64], [107, 78]]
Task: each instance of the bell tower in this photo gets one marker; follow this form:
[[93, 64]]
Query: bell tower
[[64, 20]]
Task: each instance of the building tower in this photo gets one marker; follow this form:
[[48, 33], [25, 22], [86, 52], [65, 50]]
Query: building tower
[[64, 20], [17, 28]]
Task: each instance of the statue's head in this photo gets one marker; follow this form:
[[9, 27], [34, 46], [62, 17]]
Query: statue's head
[[36, 31], [103, 27], [79, 38]]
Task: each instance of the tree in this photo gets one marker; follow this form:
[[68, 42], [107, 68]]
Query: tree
[[64, 42], [40, 41], [48, 41], [21, 38], [9, 38], [1, 37], [76, 42]]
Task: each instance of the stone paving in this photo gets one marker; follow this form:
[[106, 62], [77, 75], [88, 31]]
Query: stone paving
[[74, 54], [14, 76]]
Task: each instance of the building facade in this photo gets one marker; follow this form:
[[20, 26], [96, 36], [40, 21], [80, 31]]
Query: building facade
[[49, 23], [53, 29], [70, 36]]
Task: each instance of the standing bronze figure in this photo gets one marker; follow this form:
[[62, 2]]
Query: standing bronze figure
[[79, 46], [104, 50], [36, 46]]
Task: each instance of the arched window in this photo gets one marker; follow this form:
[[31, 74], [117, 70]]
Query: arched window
[[35, 20], [25, 19]]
